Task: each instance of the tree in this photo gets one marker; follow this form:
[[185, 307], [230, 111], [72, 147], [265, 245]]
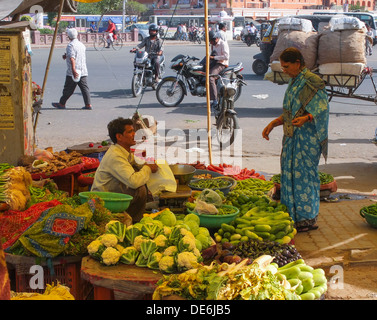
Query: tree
[[135, 8]]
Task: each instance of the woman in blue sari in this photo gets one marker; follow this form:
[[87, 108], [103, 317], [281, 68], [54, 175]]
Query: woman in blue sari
[[305, 124]]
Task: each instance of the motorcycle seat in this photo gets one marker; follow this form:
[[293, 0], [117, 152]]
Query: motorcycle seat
[[232, 67]]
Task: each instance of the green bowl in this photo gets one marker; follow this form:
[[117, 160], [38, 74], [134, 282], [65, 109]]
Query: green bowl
[[115, 202], [213, 220], [370, 218]]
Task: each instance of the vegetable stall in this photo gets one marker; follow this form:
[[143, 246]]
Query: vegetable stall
[[250, 236]]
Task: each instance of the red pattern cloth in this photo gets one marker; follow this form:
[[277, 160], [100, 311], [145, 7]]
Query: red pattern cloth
[[14, 223], [4, 276]]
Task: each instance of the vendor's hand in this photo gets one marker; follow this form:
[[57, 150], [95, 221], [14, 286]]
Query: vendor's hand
[[299, 121], [266, 131], [153, 166]]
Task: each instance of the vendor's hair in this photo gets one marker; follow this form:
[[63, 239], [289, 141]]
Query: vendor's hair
[[292, 55], [118, 126]]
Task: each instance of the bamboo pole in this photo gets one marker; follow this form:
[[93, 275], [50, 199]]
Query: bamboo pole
[[49, 61], [207, 81]]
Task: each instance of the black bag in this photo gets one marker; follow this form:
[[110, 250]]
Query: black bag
[[115, 32]]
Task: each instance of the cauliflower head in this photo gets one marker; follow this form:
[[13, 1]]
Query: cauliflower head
[[110, 256], [186, 260], [161, 241], [94, 246], [138, 240], [167, 264], [170, 251], [109, 240]]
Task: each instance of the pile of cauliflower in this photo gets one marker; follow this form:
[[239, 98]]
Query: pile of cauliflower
[[161, 243]]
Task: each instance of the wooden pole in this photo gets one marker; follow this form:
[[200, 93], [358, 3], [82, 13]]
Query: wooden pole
[[207, 81], [49, 61]]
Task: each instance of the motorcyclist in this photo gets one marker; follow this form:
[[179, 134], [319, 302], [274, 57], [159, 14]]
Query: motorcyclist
[[153, 46], [219, 59]]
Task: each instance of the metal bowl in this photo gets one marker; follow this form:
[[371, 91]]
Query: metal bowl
[[183, 172]]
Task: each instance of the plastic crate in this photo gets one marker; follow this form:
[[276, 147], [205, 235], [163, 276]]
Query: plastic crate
[[97, 155], [67, 274]]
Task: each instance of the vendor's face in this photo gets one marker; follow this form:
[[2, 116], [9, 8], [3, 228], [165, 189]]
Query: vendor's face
[[127, 138], [292, 69]]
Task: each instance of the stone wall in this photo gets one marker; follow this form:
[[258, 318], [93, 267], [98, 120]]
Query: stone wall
[[87, 38]]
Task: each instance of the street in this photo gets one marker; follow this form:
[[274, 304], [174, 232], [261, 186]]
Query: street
[[352, 121]]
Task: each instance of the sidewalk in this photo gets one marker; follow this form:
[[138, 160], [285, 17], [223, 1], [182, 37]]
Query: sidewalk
[[344, 245]]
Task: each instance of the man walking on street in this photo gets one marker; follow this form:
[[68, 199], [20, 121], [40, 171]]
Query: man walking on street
[[77, 72]]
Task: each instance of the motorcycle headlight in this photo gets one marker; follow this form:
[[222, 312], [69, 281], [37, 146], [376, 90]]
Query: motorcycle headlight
[[231, 89]]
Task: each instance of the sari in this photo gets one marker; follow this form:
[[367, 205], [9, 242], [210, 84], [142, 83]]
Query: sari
[[303, 146]]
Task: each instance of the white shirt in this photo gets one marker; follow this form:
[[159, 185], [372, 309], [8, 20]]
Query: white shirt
[[116, 172], [222, 52], [76, 49]]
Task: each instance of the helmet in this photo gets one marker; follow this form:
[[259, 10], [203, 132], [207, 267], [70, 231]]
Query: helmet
[[212, 35], [153, 27]]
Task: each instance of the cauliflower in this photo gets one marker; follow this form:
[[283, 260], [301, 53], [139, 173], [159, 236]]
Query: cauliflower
[[187, 243], [192, 217], [109, 240], [110, 256], [167, 231], [95, 249], [194, 226], [129, 255], [186, 260], [167, 264], [170, 251], [161, 241], [94, 246], [116, 228], [167, 217], [153, 260], [138, 240]]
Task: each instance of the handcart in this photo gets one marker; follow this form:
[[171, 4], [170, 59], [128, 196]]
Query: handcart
[[340, 85], [337, 85]]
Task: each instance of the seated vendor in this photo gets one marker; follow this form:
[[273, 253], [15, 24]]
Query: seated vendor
[[118, 170]]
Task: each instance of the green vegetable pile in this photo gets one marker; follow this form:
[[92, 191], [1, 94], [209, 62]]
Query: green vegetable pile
[[4, 179], [210, 183], [309, 283], [161, 242], [372, 209], [257, 281], [324, 178], [253, 184]]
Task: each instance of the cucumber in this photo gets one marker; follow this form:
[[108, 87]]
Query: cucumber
[[294, 282], [244, 238], [291, 264], [290, 273], [305, 275], [235, 236], [322, 288], [262, 228], [316, 292], [308, 284], [299, 289], [251, 235], [306, 268], [264, 235], [307, 296], [228, 228], [319, 279], [319, 270]]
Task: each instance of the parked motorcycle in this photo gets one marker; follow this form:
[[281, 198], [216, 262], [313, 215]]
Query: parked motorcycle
[[227, 122], [143, 72], [191, 76], [250, 39]]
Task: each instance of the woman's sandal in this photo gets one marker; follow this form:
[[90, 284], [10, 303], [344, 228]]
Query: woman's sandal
[[306, 228]]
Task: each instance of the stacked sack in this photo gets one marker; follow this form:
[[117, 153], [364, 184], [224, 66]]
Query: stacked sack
[[298, 33], [341, 50]]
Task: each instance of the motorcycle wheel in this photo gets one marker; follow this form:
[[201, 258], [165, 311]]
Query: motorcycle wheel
[[227, 126], [198, 39], [248, 42], [259, 67], [136, 85], [168, 95], [258, 42]]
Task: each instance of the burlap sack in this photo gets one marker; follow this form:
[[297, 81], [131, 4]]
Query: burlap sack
[[306, 42], [344, 46]]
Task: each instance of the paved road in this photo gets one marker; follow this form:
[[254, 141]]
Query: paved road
[[352, 121]]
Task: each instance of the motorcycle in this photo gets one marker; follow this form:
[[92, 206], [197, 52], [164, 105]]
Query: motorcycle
[[250, 39], [191, 77], [196, 36], [227, 122], [143, 72]]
